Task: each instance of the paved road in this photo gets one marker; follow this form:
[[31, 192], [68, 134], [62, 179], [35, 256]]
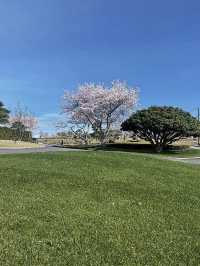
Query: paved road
[[34, 150], [57, 149], [188, 160]]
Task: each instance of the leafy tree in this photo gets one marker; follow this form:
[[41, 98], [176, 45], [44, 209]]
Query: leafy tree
[[18, 126], [23, 116], [20, 130], [4, 114], [162, 126], [23, 123]]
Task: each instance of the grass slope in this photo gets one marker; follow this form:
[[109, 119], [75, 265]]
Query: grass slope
[[98, 208]]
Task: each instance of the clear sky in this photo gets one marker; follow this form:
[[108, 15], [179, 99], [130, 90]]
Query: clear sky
[[47, 46]]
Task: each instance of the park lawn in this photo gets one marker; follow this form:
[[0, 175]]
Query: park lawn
[[98, 208]]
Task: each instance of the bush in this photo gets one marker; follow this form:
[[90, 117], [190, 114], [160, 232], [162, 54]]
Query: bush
[[11, 134]]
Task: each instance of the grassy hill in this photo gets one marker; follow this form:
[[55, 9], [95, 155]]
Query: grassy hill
[[98, 208]]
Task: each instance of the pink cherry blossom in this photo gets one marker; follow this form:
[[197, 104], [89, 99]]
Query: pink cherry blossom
[[100, 107]]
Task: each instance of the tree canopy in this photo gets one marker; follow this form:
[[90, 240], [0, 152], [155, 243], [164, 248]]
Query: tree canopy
[[162, 125], [23, 119], [96, 108], [18, 126], [4, 114]]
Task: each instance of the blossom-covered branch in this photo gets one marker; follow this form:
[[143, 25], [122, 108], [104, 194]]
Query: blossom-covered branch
[[100, 107]]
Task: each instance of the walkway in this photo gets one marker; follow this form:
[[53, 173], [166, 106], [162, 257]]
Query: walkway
[[192, 160], [34, 150]]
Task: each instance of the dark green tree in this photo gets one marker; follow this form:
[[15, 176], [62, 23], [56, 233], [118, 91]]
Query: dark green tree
[[162, 125], [4, 114], [19, 129]]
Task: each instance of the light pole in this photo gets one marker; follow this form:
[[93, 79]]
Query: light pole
[[198, 120]]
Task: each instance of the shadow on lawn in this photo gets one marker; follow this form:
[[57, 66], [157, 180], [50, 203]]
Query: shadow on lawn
[[133, 147]]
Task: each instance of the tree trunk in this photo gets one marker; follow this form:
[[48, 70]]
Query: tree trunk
[[158, 148], [102, 138]]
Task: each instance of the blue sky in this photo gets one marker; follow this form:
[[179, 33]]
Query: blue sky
[[52, 45]]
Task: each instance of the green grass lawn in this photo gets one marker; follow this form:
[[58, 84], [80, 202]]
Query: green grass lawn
[[98, 208]]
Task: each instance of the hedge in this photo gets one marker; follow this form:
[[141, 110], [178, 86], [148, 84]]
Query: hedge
[[11, 134]]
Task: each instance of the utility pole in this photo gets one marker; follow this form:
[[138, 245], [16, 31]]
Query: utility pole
[[198, 120]]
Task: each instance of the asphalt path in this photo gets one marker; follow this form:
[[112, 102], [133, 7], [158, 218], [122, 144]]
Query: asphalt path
[[188, 160], [194, 160], [34, 150]]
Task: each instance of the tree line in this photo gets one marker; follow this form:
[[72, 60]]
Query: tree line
[[97, 109], [17, 126]]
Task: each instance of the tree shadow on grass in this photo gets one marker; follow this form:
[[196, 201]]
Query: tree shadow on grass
[[131, 147]]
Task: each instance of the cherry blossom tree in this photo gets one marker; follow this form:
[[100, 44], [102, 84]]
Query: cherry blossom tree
[[81, 132], [78, 129], [99, 107], [23, 120]]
